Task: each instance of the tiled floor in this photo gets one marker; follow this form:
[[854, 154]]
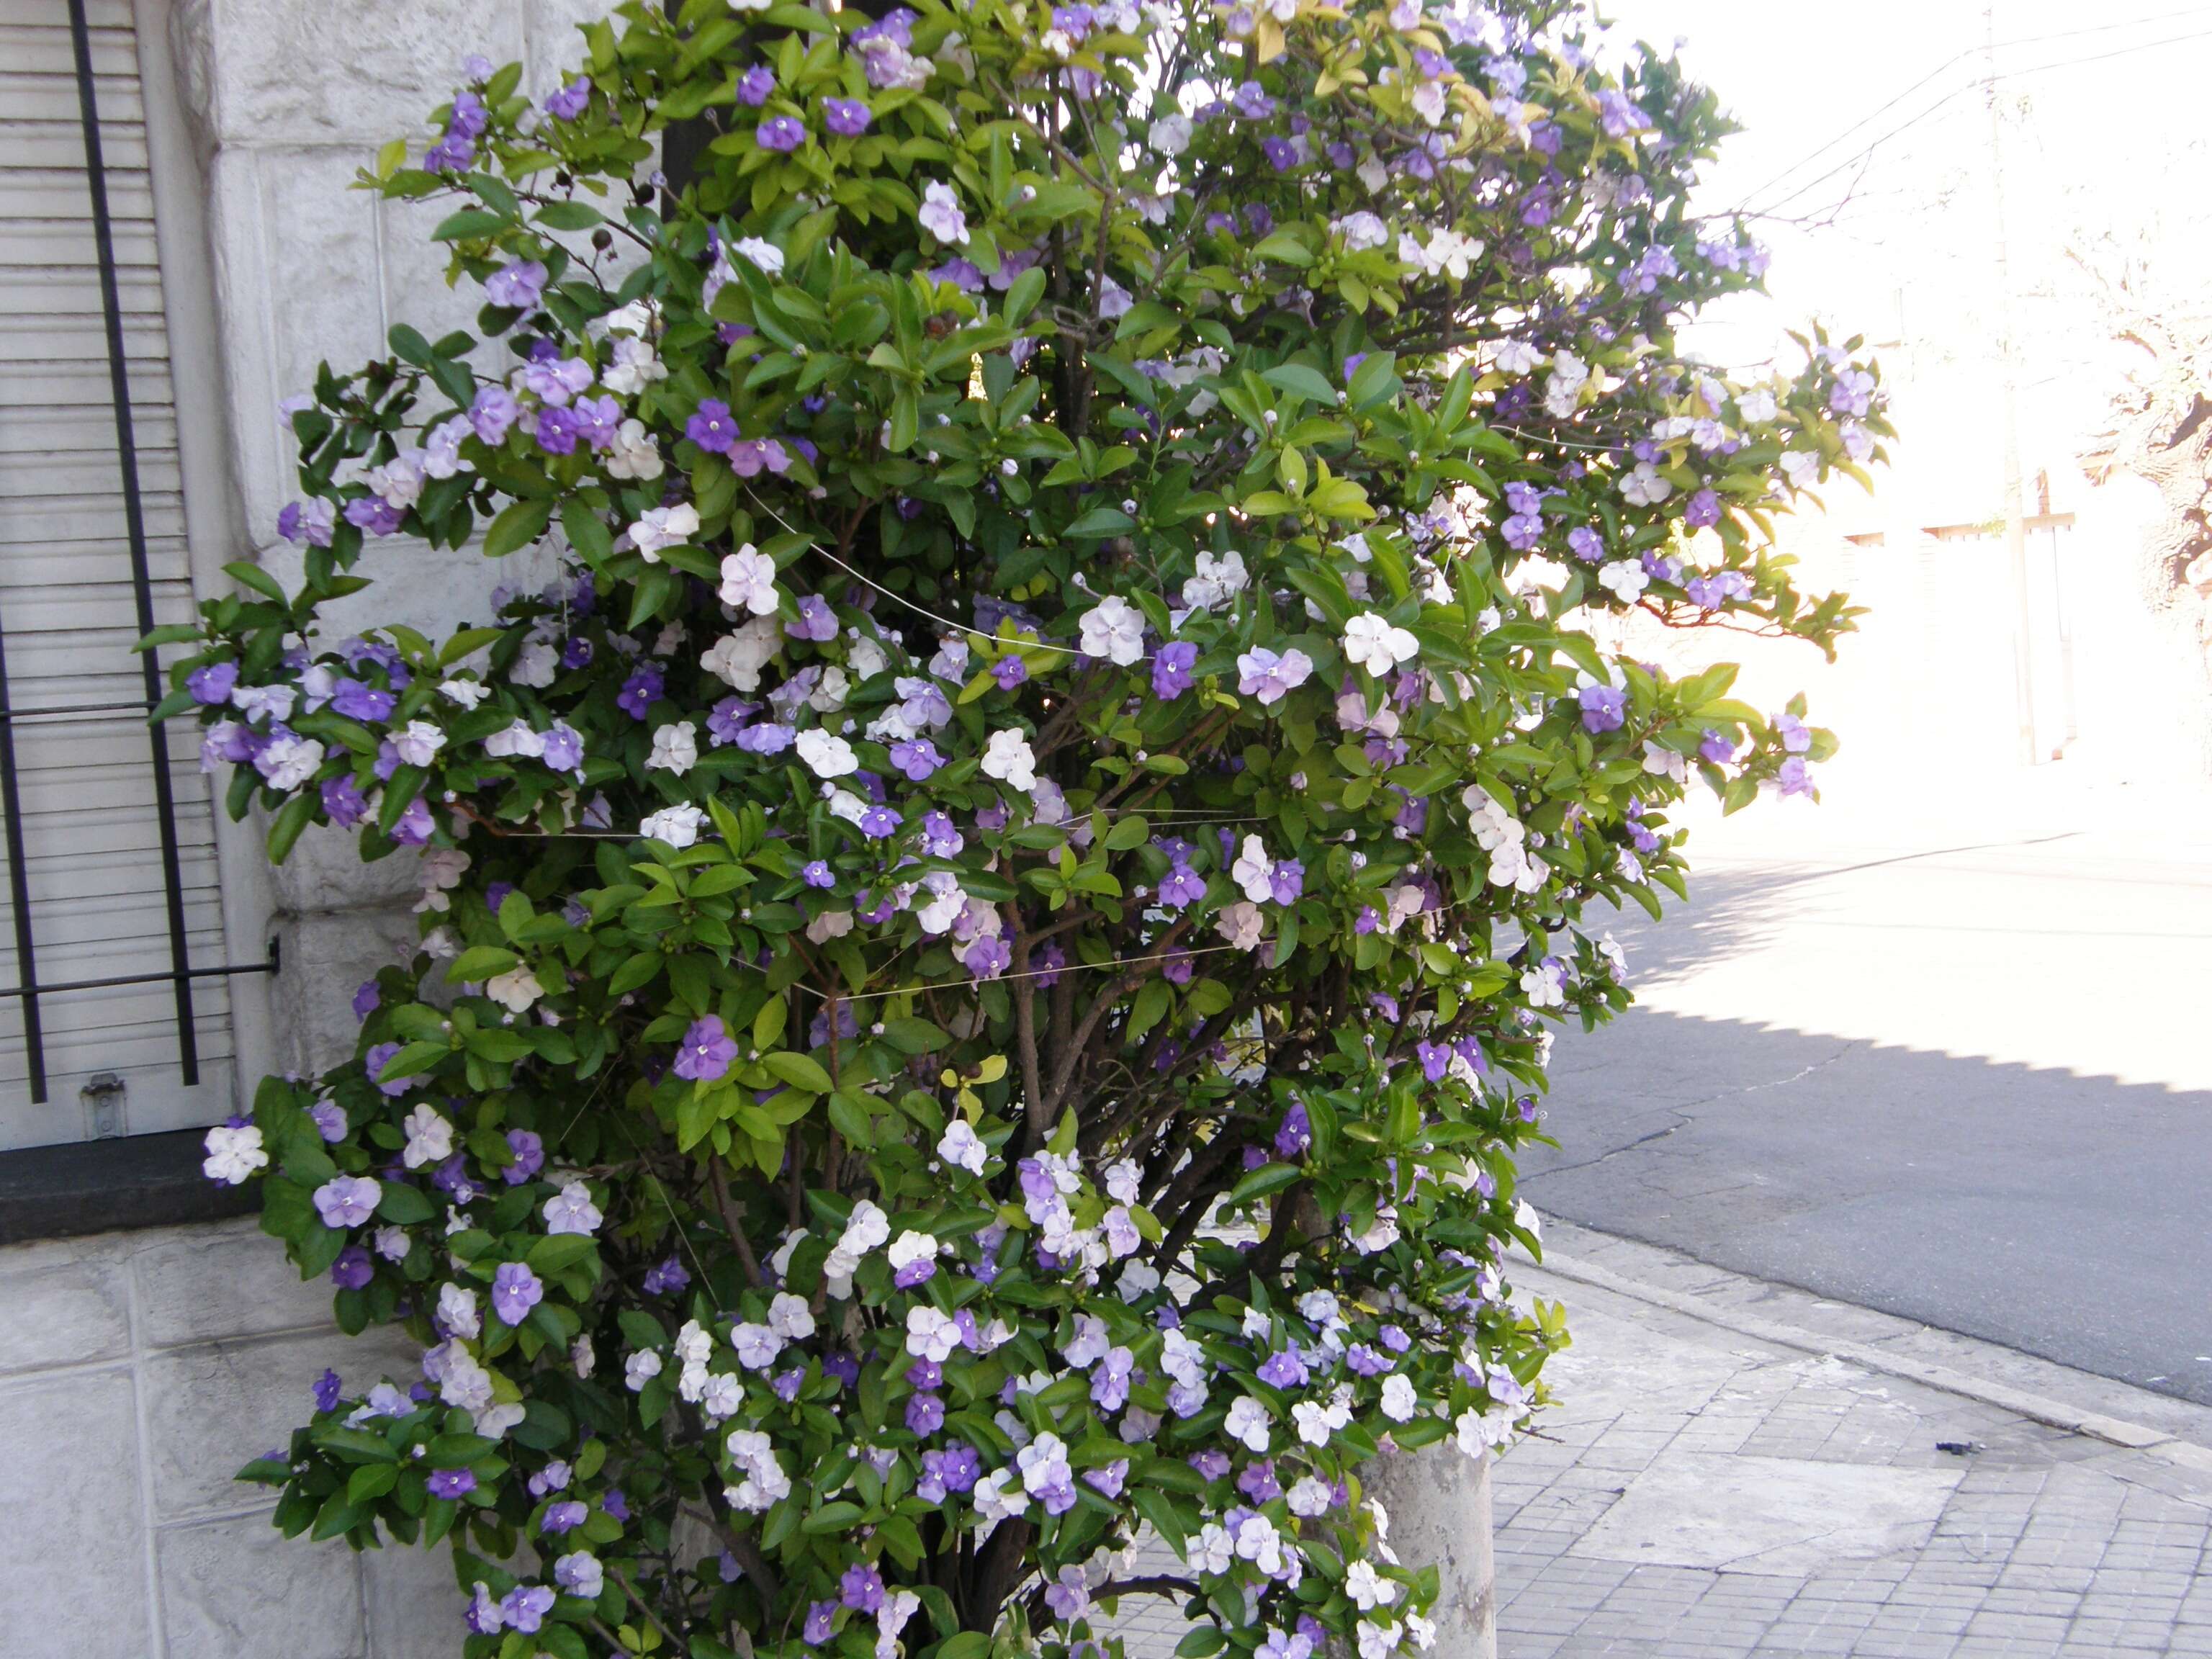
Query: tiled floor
[[1698, 1494]]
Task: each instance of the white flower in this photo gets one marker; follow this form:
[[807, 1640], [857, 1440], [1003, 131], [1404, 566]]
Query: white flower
[[1170, 135], [1516, 357], [1372, 643], [636, 367], [664, 527], [1625, 579], [290, 762], [233, 1154], [418, 745], [830, 757], [767, 255], [962, 1145], [1368, 1587], [1218, 580], [1242, 924], [930, 1334], [941, 214], [1310, 1497], [1250, 872], [457, 1312], [515, 990], [1398, 1399], [1114, 629], [757, 1346], [1643, 486], [1113, 299], [737, 659], [789, 1316], [467, 693], [676, 825], [517, 740], [1213, 1551], [1665, 763], [639, 1369], [430, 1138], [465, 1383], [675, 749], [633, 454], [999, 1496], [536, 664], [1362, 230], [1008, 758], [1248, 1422], [571, 1211], [1258, 1542], [1756, 408], [749, 581]]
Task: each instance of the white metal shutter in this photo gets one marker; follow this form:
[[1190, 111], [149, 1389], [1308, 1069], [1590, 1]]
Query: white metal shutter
[[98, 898]]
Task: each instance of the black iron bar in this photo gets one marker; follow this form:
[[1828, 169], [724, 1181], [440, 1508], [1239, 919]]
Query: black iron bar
[[137, 979], [75, 709], [19, 896], [141, 581]]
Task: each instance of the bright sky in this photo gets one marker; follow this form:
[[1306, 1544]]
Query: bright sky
[[2101, 110]]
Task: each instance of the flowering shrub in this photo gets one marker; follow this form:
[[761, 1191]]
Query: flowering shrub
[[989, 945]]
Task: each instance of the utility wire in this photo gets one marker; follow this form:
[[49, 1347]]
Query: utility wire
[[1980, 84], [1957, 58]]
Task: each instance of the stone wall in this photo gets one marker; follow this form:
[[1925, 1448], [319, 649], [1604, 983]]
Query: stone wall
[[138, 1372]]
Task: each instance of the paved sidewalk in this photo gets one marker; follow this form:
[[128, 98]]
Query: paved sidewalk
[[1736, 1469]]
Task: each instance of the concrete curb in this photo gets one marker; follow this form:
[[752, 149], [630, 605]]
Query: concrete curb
[[2036, 1408]]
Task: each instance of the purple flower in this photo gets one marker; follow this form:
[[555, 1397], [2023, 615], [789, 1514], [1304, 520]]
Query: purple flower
[[526, 1605], [1181, 887], [328, 1391], [940, 839], [1294, 1135], [570, 101], [1796, 736], [347, 1201], [414, 828], [954, 1469], [352, 1269], [1795, 776], [564, 747], [1286, 880], [817, 621], [373, 516], [212, 685], [925, 1414], [1171, 675], [1604, 708], [821, 1623], [494, 414], [563, 1517], [1107, 1481], [557, 431], [987, 956], [615, 1506], [712, 426], [706, 1053], [861, 1589], [1285, 1369], [917, 759], [1009, 672], [755, 85], [666, 1278], [781, 133], [878, 822], [360, 702], [846, 117], [640, 691], [451, 1483], [514, 1291], [518, 285], [1718, 747]]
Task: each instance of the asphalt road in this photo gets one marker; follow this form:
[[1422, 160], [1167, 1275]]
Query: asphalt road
[[1962, 1073]]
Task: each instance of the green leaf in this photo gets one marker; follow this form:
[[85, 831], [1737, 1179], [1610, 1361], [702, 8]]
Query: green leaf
[[1308, 383], [517, 526], [468, 224], [253, 576], [1268, 1178], [568, 215], [403, 1206], [799, 1071]]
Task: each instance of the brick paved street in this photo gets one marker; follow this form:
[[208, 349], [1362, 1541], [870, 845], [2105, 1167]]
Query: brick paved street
[[1736, 1470]]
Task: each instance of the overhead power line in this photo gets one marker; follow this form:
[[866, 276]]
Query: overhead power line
[[1881, 109], [1980, 83]]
